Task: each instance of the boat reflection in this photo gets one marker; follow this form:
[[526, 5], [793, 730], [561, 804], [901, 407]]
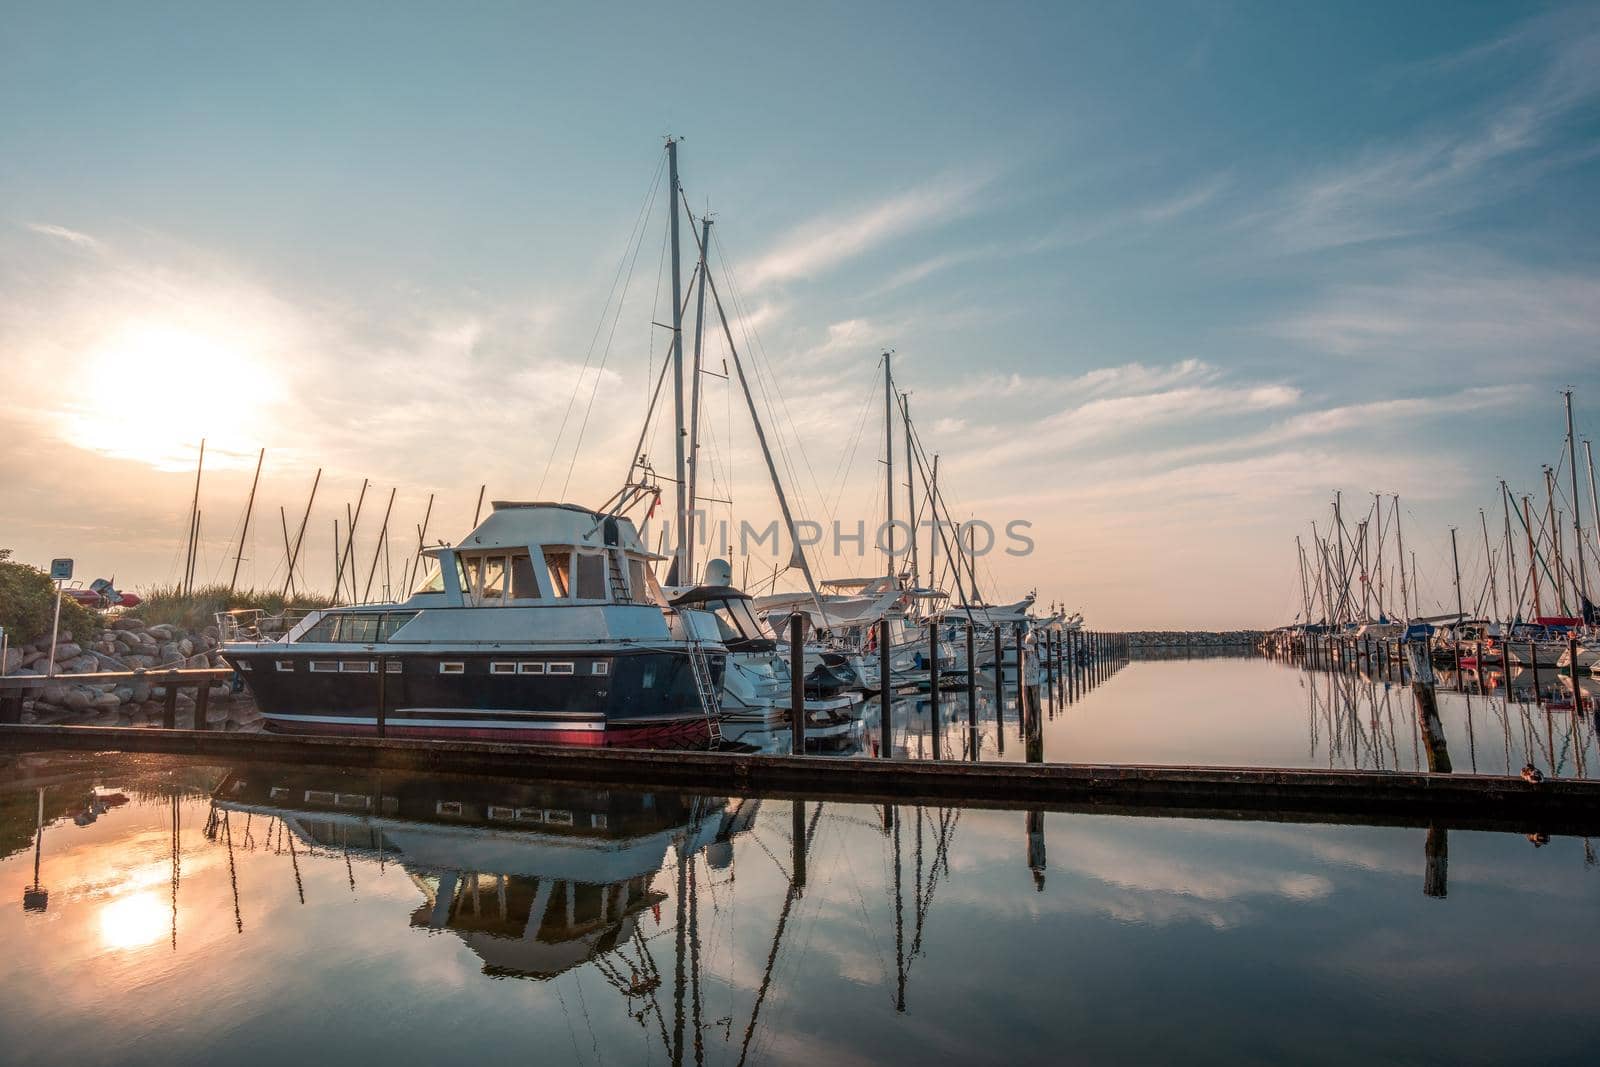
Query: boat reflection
[[536, 879]]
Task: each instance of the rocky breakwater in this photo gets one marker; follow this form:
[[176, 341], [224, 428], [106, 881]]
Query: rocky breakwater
[[127, 644]]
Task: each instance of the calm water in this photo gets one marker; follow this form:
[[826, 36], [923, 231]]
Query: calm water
[[1250, 711], [268, 915]]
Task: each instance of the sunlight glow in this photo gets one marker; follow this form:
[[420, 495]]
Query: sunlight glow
[[133, 921], [150, 392]]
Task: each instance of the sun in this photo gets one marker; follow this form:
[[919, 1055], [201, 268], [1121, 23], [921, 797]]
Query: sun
[[133, 921], [150, 391]]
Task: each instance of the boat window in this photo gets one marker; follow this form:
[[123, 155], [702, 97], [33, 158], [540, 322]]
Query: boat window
[[392, 621], [452, 668], [356, 666], [325, 666], [432, 582], [530, 668], [359, 629], [322, 632], [559, 668], [591, 576], [502, 668], [523, 584], [491, 578], [646, 590], [559, 561]]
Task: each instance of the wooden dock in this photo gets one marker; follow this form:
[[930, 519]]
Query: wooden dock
[[1464, 801]]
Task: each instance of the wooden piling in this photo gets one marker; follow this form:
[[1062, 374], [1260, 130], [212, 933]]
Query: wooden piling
[[1000, 680], [202, 701], [972, 675], [933, 686], [886, 731], [797, 682], [169, 707]]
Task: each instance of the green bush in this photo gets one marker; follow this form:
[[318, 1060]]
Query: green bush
[[28, 604], [198, 609]]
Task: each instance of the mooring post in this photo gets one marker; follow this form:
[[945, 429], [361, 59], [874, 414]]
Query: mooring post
[[972, 691], [972, 675], [169, 706], [1436, 862], [797, 861], [1572, 675], [202, 700], [1422, 687], [886, 734], [1533, 665], [1000, 679], [1022, 683], [383, 696], [797, 682], [1049, 673], [933, 686]]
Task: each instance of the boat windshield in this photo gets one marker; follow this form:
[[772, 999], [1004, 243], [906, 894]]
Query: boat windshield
[[433, 577], [736, 620]]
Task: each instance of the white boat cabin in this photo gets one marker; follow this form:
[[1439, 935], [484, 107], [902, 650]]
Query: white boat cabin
[[543, 554]]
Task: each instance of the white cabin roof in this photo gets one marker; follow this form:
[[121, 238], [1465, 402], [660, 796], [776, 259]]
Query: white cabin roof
[[518, 524]]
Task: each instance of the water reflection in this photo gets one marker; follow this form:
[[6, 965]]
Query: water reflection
[[535, 879], [341, 915]]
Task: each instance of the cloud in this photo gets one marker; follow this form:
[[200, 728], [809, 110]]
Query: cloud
[[1182, 204], [1468, 306], [1501, 147], [822, 244], [61, 233]]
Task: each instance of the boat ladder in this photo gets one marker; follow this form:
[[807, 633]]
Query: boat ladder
[[710, 698]]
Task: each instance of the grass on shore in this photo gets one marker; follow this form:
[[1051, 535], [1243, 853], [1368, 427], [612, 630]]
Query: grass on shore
[[199, 608]]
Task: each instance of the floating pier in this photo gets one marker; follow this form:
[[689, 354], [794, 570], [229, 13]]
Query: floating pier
[[1465, 801]]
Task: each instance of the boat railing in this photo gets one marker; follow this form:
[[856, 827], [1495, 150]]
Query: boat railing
[[258, 624]]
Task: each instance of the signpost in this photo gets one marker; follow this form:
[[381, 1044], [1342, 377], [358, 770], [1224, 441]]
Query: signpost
[[60, 573]]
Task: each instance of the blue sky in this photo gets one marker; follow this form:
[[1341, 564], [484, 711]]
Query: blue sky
[[1159, 278]]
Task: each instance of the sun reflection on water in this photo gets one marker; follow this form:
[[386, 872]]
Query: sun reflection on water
[[133, 921]]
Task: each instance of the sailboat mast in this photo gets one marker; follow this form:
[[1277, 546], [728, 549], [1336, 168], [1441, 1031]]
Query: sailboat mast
[[933, 530], [1555, 538], [194, 510], [1344, 573], [1400, 547], [1305, 591], [249, 506], [1577, 512], [1533, 554], [911, 485], [1594, 498], [1455, 562], [888, 457], [680, 486], [694, 403], [1513, 601], [1488, 560]]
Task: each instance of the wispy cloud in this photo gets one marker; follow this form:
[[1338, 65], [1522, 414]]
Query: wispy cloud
[[1476, 313], [822, 244], [62, 233], [1410, 186], [1191, 200]]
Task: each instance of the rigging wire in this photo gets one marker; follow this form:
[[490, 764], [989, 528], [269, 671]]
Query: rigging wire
[[634, 235]]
